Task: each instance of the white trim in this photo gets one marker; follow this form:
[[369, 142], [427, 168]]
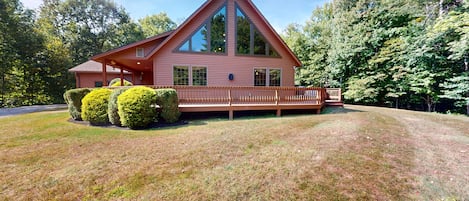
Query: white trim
[[139, 52]]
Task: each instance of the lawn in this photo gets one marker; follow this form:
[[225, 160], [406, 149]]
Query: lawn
[[356, 153]]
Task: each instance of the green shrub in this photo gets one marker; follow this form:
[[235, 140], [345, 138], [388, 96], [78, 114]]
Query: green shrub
[[116, 82], [168, 101], [112, 110], [73, 99], [136, 107], [95, 105]]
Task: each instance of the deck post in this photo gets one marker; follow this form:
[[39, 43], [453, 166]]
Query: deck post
[[122, 76], [230, 109], [231, 114], [104, 73]]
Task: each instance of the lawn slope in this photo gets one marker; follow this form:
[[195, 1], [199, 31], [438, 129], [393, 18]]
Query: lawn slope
[[358, 153]]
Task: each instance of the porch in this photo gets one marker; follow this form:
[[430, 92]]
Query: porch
[[237, 98]]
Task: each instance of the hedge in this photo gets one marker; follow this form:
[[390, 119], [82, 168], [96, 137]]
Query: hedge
[[116, 82], [112, 109], [95, 106], [137, 107], [168, 101], [73, 99]]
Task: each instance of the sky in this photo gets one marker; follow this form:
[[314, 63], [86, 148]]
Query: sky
[[279, 13]]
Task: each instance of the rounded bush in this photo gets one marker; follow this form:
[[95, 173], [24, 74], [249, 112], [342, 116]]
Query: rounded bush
[[73, 99], [136, 107], [94, 107], [168, 101], [116, 82], [112, 109]]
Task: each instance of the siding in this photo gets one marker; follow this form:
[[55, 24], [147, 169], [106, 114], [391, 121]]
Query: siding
[[220, 66]]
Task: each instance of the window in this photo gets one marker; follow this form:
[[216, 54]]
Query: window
[[259, 77], [140, 52], [181, 75], [210, 37], [98, 84], [249, 41], [267, 77], [190, 75]]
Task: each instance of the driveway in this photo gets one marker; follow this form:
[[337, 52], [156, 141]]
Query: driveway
[[5, 112]]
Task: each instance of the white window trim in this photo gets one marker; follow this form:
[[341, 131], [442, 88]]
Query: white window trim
[[140, 52], [191, 78]]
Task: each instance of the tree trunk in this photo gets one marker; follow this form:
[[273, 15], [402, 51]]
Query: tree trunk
[[467, 109]]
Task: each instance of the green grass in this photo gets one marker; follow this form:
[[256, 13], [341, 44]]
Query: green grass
[[356, 153]]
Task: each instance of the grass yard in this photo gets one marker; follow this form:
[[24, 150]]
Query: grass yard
[[356, 153]]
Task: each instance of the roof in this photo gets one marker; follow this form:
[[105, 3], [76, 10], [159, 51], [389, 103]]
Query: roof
[[165, 38], [94, 67]]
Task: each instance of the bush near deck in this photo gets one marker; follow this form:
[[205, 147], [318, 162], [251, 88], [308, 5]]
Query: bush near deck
[[168, 100], [94, 106], [112, 109], [137, 107], [73, 99]]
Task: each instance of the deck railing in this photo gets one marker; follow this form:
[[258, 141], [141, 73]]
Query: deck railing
[[334, 94], [236, 95]]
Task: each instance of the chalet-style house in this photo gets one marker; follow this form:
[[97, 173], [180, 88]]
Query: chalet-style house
[[224, 43], [224, 57]]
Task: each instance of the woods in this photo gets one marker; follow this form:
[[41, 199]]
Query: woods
[[404, 54], [410, 54], [37, 49]]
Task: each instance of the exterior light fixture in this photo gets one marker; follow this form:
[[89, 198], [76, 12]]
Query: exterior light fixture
[[231, 76], [138, 63]]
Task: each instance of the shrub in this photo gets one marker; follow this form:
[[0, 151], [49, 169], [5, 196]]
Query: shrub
[[73, 99], [168, 101], [136, 107], [95, 106], [112, 110], [116, 82]]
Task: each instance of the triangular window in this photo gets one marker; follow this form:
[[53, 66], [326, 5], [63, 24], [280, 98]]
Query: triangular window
[[249, 40], [210, 37]]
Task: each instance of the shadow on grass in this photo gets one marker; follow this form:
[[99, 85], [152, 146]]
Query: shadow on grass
[[338, 110]]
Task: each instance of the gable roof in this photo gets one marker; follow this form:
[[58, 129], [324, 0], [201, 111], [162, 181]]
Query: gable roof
[[168, 36], [94, 67]]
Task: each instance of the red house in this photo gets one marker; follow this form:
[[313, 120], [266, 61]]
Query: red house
[[223, 44]]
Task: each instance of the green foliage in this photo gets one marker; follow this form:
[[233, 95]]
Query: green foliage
[[94, 107], [112, 109], [153, 25], [73, 98], [136, 107], [168, 101], [116, 82]]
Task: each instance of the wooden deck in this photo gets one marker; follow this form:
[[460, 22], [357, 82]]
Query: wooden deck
[[231, 99]]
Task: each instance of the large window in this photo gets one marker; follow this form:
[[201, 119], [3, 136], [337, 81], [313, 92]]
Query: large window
[[210, 37], [267, 77], [190, 75], [199, 76], [181, 75], [249, 41]]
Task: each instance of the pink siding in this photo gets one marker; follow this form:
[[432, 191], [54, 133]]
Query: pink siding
[[220, 66], [87, 80]]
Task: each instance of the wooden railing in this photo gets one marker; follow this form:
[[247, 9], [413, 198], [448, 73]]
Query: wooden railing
[[237, 95], [334, 94]]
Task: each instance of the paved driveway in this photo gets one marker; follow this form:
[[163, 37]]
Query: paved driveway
[[5, 112]]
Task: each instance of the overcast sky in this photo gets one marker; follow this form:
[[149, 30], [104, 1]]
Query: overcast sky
[[279, 13]]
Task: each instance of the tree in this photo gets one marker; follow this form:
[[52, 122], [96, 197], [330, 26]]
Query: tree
[[156, 24], [90, 27]]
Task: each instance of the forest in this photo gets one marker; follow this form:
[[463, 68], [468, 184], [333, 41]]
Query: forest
[[410, 54], [38, 47]]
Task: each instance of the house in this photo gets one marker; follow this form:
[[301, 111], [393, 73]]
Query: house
[[90, 74], [224, 57], [223, 43]]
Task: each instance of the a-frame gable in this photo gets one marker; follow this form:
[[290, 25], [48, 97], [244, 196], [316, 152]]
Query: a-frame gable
[[210, 36], [249, 39], [263, 32]]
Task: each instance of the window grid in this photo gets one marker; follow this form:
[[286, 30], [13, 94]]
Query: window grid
[[199, 76], [267, 77], [181, 75]]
